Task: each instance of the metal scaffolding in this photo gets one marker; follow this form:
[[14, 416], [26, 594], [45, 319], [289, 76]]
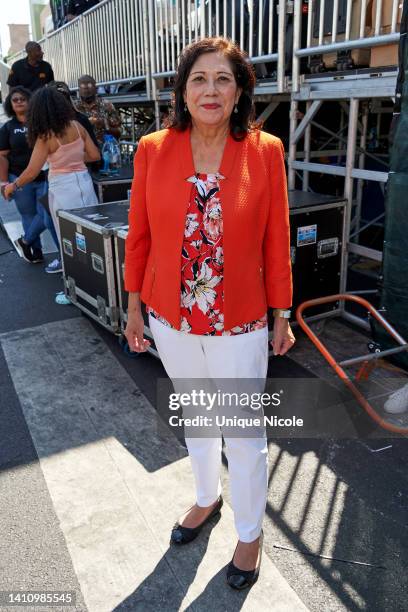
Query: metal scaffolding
[[137, 42]]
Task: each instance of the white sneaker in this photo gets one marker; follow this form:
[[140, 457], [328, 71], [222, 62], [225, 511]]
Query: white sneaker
[[397, 403], [54, 267]]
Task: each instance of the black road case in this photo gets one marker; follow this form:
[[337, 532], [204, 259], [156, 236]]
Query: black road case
[[317, 246], [119, 240], [88, 259], [113, 188]]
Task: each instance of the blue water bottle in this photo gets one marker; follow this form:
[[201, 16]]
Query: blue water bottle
[[111, 156]]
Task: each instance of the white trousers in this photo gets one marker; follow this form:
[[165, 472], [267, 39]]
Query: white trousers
[[245, 356], [70, 190]]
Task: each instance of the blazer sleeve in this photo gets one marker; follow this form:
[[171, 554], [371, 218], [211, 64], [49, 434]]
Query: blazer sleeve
[[138, 240], [276, 246]]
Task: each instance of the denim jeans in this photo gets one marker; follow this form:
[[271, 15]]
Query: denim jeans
[[31, 210], [49, 224]]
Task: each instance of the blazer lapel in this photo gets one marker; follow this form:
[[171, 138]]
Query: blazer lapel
[[185, 155]]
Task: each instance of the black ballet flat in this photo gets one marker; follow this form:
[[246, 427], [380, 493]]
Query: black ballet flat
[[185, 535], [243, 579]]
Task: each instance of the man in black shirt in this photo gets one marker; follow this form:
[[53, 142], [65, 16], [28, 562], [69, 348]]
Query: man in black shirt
[[31, 72]]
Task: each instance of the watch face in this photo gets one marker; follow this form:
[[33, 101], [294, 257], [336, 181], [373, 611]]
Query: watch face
[[282, 313]]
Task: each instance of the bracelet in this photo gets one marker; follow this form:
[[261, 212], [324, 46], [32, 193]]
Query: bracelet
[[283, 313]]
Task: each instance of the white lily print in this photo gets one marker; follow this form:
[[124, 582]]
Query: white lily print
[[197, 244], [212, 219], [191, 224], [219, 256], [201, 290], [203, 187], [219, 325], [185, 325]]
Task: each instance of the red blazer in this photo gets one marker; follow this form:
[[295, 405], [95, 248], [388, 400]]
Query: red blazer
[[257, 269]]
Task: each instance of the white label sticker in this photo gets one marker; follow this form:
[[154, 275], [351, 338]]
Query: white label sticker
[[67, 247], [306, 235], [80, 242], [97, 263]]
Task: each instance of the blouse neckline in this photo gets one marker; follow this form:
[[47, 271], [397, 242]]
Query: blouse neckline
[[187, 162], [205, 177]]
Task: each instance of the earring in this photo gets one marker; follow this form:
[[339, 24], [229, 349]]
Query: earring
[[236, 109], [185, 108]]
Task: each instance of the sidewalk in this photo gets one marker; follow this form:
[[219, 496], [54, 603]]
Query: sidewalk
[[10, 220], [94, 513], [118, 483]]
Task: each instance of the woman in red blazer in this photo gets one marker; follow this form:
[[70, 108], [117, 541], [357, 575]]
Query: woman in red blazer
[[208, 252]]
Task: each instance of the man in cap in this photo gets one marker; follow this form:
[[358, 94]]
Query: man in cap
[[101, 113]]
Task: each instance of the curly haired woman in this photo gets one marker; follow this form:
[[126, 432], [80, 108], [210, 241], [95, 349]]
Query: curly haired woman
[[57, 138]]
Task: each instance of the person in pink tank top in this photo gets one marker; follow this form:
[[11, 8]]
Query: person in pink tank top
[[61, 141]]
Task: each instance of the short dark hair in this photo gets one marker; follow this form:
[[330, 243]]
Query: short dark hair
[[62, 88], [240, 122], [49, 112], [32, 45], [8, 107], [86, 78]]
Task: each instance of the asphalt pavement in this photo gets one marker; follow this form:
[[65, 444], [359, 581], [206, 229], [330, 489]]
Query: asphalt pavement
[[91, 483]]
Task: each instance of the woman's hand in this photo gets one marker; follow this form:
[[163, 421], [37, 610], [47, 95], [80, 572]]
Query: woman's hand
[[9, 189], [283, 338], [134, 331], [97, 121]]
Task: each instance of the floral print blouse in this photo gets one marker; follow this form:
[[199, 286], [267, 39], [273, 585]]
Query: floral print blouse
[[202, 261]]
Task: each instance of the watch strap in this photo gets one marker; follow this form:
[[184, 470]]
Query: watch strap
[[283, 313]]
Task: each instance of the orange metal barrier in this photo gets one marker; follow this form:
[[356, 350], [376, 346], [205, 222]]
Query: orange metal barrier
[[337, 366]]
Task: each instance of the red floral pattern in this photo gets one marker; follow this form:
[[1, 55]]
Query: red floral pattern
[[202, 264]]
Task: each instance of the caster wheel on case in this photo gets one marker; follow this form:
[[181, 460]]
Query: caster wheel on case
[[126, 349]]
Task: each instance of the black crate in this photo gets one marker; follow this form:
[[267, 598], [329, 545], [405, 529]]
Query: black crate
[[89, 261], [317, 245], [113, 188]]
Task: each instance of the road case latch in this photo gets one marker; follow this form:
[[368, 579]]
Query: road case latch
[[327, 248], [101, 306], [71, 289]]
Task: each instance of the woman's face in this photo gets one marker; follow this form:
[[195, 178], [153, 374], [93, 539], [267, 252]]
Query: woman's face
[[211, 90], [19, 103]]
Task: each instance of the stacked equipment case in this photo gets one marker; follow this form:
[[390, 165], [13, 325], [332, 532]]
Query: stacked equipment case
[[113, 188], [316, 245], [88, 259]]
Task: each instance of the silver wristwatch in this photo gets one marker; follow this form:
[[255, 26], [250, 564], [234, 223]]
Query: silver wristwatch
[[283, 313]]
